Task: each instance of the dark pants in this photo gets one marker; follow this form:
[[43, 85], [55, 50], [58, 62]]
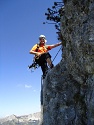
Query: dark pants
[[41, 61]]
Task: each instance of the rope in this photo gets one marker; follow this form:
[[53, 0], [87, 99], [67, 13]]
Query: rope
[[57, 54], [41, 91]]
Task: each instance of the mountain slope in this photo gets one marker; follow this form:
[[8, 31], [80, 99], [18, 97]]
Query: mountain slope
[[31, 119]]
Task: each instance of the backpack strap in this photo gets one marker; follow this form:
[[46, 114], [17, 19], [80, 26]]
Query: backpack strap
[[37, 47]]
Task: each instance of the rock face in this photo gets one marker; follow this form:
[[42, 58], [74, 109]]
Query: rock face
[[68, 89]]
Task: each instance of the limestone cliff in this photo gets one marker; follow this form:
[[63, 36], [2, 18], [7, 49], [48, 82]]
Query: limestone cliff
[[68, 89]]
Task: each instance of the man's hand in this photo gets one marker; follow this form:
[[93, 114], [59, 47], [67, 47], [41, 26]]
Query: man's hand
[[38, 54]]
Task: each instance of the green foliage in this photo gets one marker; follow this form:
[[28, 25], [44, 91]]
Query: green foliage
[[54, 14]]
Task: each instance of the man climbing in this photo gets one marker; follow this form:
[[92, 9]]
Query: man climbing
[[42, 56]]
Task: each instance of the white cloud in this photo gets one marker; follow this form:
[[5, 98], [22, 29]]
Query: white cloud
[[28, 86]]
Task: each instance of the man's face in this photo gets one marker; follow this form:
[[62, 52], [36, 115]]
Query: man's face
[[42, 40]]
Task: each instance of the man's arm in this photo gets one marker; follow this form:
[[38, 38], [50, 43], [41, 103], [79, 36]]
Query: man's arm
[[33, 50], [55, 45], [35, 53]]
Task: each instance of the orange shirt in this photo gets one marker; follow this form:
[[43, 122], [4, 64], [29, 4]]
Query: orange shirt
[[41, 49]]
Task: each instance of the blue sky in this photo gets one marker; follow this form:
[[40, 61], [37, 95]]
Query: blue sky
[[21, 23]]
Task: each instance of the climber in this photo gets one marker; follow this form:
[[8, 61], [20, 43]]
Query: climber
[[42, 56]]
